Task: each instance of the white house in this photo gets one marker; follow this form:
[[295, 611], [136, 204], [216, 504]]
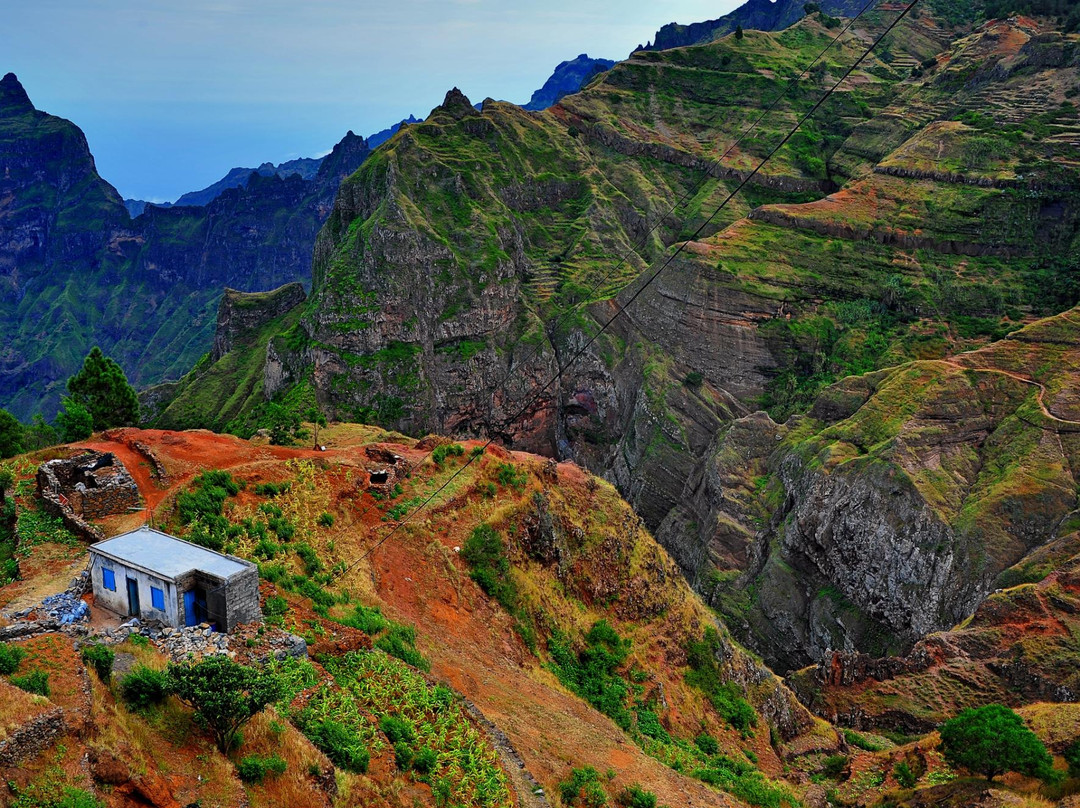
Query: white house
[[154, 576]]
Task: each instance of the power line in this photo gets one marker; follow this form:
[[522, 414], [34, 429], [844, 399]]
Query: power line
[[649, 281], [694, 189]]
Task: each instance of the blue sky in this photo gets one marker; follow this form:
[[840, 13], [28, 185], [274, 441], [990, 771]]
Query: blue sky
[[173, 94]]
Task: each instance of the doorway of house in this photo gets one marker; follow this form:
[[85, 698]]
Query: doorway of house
[[133, 597], [195, 607]]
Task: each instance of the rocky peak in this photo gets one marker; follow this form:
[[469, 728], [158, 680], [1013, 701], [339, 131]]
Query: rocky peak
[[456, 104], [13, 98]]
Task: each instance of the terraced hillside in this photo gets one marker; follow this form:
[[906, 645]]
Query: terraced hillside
[[534, 591]]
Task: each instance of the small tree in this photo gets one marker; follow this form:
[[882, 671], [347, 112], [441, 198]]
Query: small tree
[[102, 388], [315, 416], [992, 740], [738, 32], [224, 694], [74, 421], [11, 435]]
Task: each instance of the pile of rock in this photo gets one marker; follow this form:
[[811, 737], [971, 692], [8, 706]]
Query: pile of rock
[[67, 607]]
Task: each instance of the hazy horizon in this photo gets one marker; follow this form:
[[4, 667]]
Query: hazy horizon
[[172, 98]]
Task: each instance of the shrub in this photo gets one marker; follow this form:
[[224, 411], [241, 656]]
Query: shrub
[[224, 694], [834, 766], [582, 789], [707, 744], [326, 520], [309, 558], [592, 673], [10, 657], [100, 658], [33, 682], [904, 775], [485, 553], [396, 729], [992, 740], [440, 453], [403, 755], [694, 379], [511, 477], [400, 641], [253, 768], [1072, 757], [271, 489], [276, 606], [704, 674], [635, 796], [144, 687], [340, 743], [425, 761]]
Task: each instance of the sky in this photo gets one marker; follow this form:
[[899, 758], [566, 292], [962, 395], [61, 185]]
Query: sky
[[171, 95]]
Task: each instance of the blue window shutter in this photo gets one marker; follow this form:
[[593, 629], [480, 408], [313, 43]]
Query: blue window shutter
[[108, 580], [157, 598]]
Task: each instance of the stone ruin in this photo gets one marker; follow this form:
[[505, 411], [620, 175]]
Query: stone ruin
[[88, 486], [389, 469]]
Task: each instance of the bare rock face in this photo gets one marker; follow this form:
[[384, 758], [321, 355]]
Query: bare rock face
[[241, 314]]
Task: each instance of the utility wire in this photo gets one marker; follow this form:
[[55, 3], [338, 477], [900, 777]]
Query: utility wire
[[635, 248], [649, 281]]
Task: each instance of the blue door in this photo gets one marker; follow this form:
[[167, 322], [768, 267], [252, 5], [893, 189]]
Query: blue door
[[189, 609], [133, 597]]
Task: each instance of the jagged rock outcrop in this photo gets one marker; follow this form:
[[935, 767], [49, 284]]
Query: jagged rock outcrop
[[242, 314], [568, 77]]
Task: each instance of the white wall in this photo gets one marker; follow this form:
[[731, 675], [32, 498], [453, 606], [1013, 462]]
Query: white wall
[[118, 601]]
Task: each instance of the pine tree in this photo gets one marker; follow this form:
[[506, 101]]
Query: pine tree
[[738, 32], [102, 388], [11, 435]]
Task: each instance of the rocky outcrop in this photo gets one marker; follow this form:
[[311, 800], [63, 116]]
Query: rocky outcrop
[[241, 315], [569, 77]]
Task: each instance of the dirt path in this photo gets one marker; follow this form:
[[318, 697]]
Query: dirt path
[[1022, 379]]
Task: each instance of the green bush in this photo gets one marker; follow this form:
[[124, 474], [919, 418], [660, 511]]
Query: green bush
[[340, 743], [440, 453], [272, 489], [33, 682], [635, 796], [904, 775], [403, 755], [400, 641], [254, 768], [992, 740], [1072, 757], [425, 761], [10, 657], [834, 766], [485, 553], [396, 729], [143, 687], [510, 477], [582, 789], [100, 658], [326, 520], [726, 698], [707, 744], [592, 672]]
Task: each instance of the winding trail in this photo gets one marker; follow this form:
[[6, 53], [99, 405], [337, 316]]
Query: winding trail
[[1024, 380]]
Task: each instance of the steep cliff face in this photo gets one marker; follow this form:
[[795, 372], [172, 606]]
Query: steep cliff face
[[76, 272], [447, 278], [902, 496]]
